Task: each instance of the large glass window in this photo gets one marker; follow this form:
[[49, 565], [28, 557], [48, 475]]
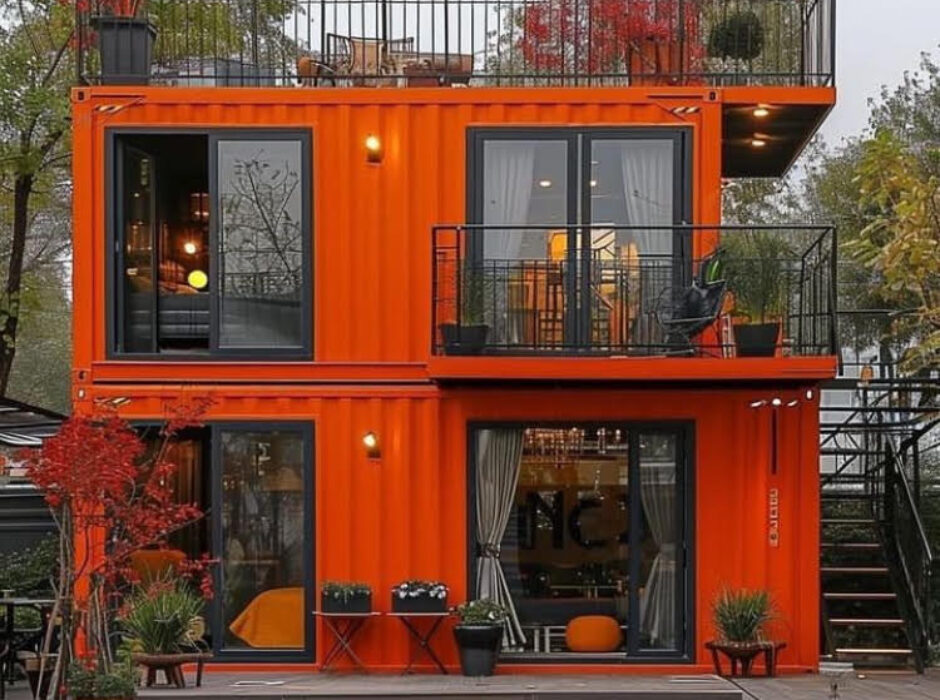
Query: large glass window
[[213, 250], [257, 498], [580, 530]]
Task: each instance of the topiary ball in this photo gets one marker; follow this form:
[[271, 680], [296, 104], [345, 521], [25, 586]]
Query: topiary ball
[[740, 35]]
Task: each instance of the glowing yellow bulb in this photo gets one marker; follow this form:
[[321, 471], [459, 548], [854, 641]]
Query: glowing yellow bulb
[[761, 112], [198, 279], [189, 247], [370, 440], [758, 143], [373, 144]]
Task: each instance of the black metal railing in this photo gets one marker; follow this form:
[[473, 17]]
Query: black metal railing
[[609, 290], [476, 42], [907, 545]]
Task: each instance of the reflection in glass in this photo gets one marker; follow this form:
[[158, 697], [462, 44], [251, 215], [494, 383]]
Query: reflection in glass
[[658, 568], [137, 230], [260, 243], [565, 551], [262, 555]]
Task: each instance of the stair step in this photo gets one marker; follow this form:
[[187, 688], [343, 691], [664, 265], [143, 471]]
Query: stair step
[[839, 595], [851, 545], [875, 652], [854, 569], [865, 622]]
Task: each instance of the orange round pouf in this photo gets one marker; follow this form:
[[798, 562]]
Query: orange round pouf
[[593, 633]]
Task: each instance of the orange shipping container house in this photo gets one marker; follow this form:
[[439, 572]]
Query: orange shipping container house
[[505, 265]]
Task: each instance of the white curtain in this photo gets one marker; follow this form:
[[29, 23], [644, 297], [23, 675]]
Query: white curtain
[[658, 604], [508, 168], [499, 456], [648, 188]]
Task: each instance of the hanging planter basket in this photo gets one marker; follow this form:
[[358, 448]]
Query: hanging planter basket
[[125, 45]]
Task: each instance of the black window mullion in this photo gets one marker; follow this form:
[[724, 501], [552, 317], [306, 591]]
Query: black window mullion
[[215, 507], [636, 540], [215, 271]]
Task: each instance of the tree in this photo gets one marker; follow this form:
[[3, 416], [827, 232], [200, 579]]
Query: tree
[[36, 72], [110, 495]]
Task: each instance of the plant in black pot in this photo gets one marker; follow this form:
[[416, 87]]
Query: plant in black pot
[[757, 268], [468, 336], [125, 41], [345, 597], [419, 596], [479, 635]]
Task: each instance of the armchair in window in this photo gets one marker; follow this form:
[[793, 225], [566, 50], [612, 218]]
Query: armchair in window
[[685, 313]]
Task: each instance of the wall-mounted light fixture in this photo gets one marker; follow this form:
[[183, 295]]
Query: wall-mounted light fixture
[[371, 442], [373, 149], [198, 279]]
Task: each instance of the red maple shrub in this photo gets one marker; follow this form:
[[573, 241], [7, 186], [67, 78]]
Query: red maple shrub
[[111, 495]]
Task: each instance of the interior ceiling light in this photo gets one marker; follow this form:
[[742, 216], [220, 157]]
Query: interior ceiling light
[[758, 142], [761, 112], [545, 183], [593, 183], [189, 248]]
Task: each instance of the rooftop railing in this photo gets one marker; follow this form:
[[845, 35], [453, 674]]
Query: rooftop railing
[[466, 42], [634, 291]]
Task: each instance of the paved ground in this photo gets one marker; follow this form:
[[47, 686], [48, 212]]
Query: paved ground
[[266, 686]]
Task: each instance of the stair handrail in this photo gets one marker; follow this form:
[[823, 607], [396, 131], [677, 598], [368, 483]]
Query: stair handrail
[[909, 551]]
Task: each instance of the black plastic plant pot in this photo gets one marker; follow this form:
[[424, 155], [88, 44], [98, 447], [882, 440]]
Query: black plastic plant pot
[[126, 48], [756, 339], [479, 648], [348, 605], [418, 604], [464, 340]]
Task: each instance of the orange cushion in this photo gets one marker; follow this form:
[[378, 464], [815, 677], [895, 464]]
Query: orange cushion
[[150, 564], [273, 619], [593, 633]]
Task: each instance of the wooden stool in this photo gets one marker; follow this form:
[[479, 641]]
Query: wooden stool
[[172, 667]]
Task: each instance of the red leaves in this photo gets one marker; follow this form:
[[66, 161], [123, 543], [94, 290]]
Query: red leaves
[[118, 494], [596, 36]]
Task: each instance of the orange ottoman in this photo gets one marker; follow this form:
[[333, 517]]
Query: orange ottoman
[[593, 633]]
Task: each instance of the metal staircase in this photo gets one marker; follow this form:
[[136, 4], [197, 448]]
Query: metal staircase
[[876, 429]]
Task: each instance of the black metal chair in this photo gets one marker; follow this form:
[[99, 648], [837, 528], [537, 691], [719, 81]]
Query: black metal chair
[[683, 314]]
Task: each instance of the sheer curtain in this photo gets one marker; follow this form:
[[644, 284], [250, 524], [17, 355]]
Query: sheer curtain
[[499, 457], [507, 192], [658, 604], [648, 188]]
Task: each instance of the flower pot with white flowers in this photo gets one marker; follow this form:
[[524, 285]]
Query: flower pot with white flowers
[[417, 596]]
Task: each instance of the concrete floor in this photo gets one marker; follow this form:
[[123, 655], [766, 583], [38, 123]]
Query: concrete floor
[[264, 686]]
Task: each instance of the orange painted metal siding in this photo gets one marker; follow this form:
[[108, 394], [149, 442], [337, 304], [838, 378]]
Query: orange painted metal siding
[[405, 515], [372, 223]]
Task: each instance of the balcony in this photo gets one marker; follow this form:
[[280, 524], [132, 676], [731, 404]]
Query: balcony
[[691, 292], [421, 43]]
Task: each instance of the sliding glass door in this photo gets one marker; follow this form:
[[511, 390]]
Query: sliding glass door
[[585, 520], [572, 223]]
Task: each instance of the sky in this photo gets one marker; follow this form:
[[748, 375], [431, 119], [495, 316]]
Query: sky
[[877, 40]]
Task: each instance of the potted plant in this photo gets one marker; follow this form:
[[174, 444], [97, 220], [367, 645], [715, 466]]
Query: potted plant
[[479, 635], [92, 682], [739, 36], [163, 627], [740, 616], [419, 596], [125, 42], [756, 269], [468, 336], [345, 597]]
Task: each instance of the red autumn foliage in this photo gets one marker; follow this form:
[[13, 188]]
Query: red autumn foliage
[[599, 36], [98, 474]]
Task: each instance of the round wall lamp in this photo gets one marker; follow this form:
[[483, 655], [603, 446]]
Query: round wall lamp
[[371, 442], [198, 279]]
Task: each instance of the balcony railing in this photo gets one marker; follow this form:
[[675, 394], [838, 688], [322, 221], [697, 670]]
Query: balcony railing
[[634, 291], [474, 42]]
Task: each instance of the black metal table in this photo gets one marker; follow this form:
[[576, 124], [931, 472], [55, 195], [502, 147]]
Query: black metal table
[[423, 638], [344, 627], [10, 604]]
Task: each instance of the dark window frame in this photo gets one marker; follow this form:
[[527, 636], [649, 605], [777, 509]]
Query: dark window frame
[[114, 297], [213, 513], [579, 140], [685, 432]]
